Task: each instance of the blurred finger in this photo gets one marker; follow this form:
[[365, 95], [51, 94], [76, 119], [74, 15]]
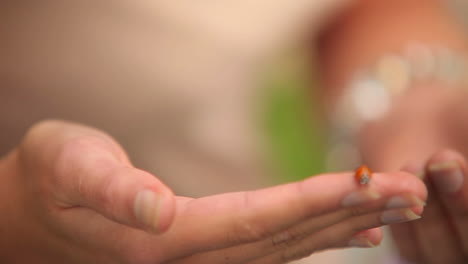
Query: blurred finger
[[404, 234], [448, 174], [434, 225]]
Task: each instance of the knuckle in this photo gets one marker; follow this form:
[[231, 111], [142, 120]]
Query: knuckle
[[35, 135], [44, 126], [64, 158], [34, 155], [78, 160]]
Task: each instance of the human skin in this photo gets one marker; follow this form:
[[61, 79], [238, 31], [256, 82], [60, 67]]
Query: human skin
[[425, 130], [68, 195], [444, 219], [57, 208]]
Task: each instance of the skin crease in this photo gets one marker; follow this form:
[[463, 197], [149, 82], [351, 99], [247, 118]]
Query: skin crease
[[68, 191]]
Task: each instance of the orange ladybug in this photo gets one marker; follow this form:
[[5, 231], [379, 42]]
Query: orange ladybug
[[363, 175]]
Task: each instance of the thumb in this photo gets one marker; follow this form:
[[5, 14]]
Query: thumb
[[84, 167], [93, 178]]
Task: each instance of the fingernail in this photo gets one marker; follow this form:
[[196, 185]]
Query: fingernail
[[360, 197], [146, 209], [361, 242], [447, 176], [398, 216], [404, 202]]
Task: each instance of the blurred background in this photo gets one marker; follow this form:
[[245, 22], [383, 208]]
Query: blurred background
[[210, 97], [192, 93]]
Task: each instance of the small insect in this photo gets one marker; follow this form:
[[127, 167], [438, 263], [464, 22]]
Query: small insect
[[363, 175]]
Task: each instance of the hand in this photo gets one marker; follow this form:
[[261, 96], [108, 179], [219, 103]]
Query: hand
[[441, 236], [423, 121], [70, 195]]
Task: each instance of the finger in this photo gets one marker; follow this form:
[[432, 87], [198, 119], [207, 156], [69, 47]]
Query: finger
[[434, 226], [357, 232], [239, 218], [85, 167], [277, 242], [371, 237], [447, 171], [404, 234]]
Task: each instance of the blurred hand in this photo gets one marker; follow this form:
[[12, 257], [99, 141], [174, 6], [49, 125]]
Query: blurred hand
[[426, 120], [441, 236], [70, 195]]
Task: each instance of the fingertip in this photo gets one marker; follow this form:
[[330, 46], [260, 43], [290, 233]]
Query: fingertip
[[446, 155], [154, 208], [350, 193], [399, 183], [132, 197], [367, 239], [418, 210], [167, 213], [447, 170], [375, 235], [415, 168]]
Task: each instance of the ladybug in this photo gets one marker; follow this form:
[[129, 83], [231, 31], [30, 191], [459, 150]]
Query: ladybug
[[363, 175]]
